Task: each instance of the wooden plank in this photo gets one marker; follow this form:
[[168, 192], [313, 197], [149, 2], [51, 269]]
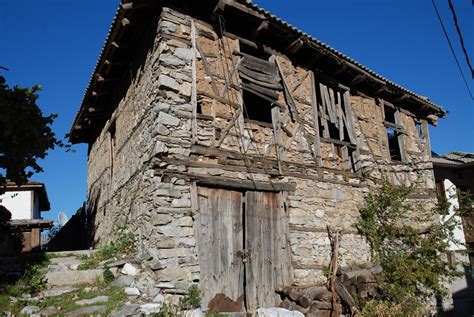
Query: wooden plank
[[289, 97], [326, 102], [271, 79], [265, 91], [258, 64], [225, 182], [230, 76], [229, 126], [349, 116], [277, 136], [272, 101], [314, 102], [260, 83], [349, 122], [332, 99], [207, 70], [218, 98], [219, 240], [300, 82], [266, 242], [193, 85], [401, 136]]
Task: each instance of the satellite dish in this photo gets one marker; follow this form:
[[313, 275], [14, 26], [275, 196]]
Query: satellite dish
[[62, 218]]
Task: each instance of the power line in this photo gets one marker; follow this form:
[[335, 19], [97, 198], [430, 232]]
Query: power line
[[458, 30], [452, 49]]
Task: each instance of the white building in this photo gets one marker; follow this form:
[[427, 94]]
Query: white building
[[26, 203]]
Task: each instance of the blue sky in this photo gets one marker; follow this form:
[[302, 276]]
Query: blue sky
[[56, 43]]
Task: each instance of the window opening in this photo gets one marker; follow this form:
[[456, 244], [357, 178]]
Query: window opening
[[393, 132], [256, 108], [393, 145]]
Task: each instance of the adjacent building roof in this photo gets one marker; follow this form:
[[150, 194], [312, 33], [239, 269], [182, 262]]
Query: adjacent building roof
[[281, 35], [454, 159], [28, 224], [37, 187]]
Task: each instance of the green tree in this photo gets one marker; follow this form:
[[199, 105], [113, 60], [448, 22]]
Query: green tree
[[25, 133]]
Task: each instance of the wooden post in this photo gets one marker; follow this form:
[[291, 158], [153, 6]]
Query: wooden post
[[193, 85], [424, 128], [317, 141], [401, 137], [277, 136]]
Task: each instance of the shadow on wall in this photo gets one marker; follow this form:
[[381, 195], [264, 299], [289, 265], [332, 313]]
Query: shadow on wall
[[75, 234]]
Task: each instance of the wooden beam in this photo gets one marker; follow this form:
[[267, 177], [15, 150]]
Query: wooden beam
[[218, 98], [294, 46], [225, 182], [263, 27], [360, 78], [314, 102], [277, 137]]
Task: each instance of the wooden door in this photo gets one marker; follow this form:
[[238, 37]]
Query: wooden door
[[268, 262], [220, 242], [243, 250]]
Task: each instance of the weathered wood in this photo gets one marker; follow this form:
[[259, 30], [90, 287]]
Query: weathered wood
[[258, 82], [219, 239], [346, 297], [207, 69], [424, 128], [228, 127], [300, 82], [314, 293], [230, 76], [286, 88], [401, 137], [263, 96], [270, 79], [265, 91], [258, 64], [295, 46], [225, 182], [267, 267], [314, 102], [218, 98], [193, 85], [277, 137]]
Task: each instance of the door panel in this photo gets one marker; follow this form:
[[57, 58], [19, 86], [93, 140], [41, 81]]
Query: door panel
[[266, 239], [219, 235]]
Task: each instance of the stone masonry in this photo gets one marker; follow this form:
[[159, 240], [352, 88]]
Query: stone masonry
[[142, 166]]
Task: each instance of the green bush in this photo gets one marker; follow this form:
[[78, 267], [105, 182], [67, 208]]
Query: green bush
[[407, 242]]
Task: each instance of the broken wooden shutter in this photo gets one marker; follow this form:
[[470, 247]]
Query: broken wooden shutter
[[260, 77], [219, 238], [268, 264]]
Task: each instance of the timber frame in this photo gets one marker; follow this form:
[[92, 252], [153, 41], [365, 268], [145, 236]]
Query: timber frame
[[263, 31]]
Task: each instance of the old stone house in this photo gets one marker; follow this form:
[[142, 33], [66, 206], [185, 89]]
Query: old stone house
[[227, 140]]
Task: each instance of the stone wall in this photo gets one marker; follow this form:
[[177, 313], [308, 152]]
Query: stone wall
[[142, 175]]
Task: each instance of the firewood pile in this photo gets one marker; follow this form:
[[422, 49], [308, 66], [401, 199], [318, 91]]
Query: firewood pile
[[362, 282], [318, 301], [312, 301]]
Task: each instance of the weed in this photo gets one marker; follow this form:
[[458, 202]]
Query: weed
[[108, 276]]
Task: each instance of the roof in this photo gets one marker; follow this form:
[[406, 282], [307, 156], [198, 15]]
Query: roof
[[120, 23], [454, 159], [27, 224], [37, 187]]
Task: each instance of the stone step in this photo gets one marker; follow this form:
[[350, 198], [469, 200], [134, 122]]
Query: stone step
[[65, 278]]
